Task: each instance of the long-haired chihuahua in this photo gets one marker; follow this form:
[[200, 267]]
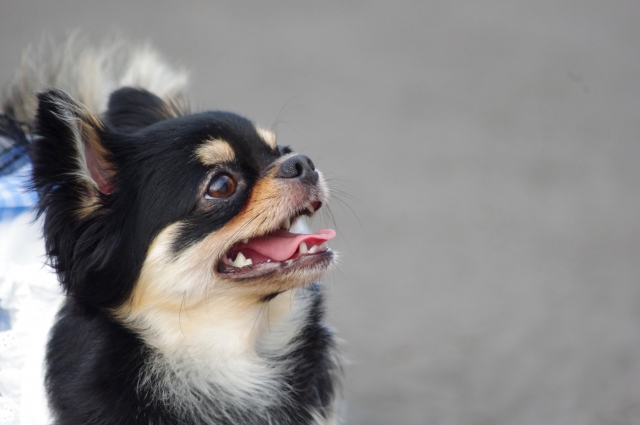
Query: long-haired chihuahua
[[192, 295]]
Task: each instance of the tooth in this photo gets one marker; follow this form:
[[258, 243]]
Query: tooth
[[323, 247], [287, 224], [241, 261], [245, 241], [310, 208], [313, 249], [302, 249]]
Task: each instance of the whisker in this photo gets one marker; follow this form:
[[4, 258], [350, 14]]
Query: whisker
[[258, 316], [342, 193], [274, 126], [184, 296], [342, 203]]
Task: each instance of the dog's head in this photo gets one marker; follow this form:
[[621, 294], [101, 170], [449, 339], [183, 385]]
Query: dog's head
[[148, 201]]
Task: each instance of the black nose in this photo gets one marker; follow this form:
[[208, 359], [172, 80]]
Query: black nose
[[298, 167]]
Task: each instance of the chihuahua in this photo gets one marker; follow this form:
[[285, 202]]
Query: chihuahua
[[192, 293]]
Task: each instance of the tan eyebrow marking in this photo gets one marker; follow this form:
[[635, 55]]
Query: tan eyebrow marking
[[215, 151], [268, 136]]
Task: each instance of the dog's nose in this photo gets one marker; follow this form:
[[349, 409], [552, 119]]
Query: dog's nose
[[298, 167]]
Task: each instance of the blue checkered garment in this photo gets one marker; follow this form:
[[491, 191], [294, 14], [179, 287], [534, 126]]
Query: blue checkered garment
[[15, 196]]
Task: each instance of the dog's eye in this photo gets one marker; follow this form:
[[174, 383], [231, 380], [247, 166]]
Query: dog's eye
[[221, 186]]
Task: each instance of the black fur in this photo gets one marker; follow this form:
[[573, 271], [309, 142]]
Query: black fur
[[131, 109], [110, 246], [95, 363]]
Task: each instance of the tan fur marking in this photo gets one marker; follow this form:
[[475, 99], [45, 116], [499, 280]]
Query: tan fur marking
[[215, 151], [183, 298], [91, 141], [87, 207], [85, 126], [268, 136]]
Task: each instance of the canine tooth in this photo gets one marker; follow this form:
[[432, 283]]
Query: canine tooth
[[323, 247], [245, 241], [302, 249], [240, 258], [241, 261], [313, 249], [310, 208]]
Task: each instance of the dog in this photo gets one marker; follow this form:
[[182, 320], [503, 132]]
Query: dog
[[192, 295]]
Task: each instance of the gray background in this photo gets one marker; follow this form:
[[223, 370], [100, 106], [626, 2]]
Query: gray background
[[490, 258]]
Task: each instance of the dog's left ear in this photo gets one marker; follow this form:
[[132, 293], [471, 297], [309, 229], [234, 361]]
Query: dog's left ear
[[70, 150]]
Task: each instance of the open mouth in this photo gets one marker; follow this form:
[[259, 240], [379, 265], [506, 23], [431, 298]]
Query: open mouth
[[279, 250]]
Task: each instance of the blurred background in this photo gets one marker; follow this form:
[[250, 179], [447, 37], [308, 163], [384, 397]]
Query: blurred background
[[484, 156]]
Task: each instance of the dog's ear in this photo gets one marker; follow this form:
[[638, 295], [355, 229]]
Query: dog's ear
[[69, 151], [131, 109], [74, 174]]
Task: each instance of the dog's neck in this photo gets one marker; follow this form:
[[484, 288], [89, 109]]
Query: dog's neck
[[226, 349], [219, 329]]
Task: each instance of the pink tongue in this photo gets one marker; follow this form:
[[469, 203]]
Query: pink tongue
[[281, 245]]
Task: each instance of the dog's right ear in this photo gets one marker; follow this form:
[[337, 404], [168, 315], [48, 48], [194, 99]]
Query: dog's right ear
[[131, 109], [69, 155]]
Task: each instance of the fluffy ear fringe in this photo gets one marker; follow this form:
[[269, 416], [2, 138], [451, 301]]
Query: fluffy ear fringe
[[69, 150], [72, 173]]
